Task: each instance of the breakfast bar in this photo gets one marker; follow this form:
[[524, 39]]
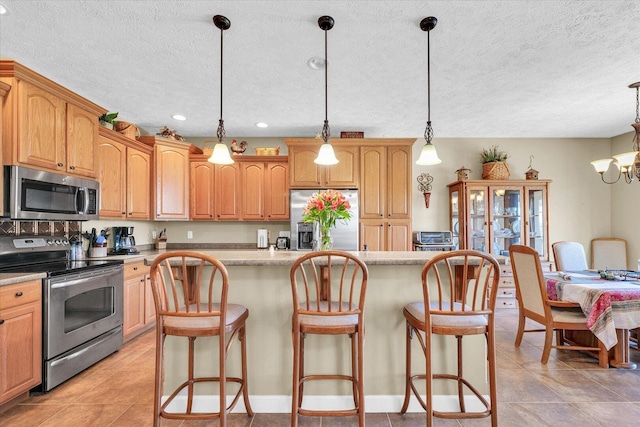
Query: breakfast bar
[[259, 280]]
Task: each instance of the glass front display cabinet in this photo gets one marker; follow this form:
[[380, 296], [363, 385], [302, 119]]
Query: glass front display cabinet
[[490, 215]]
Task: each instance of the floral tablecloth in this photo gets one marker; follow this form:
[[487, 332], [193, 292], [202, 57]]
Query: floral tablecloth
[[608, 305]]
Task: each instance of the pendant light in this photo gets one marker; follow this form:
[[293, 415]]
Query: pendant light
[[220, 153], [326, 156], [428, 156]]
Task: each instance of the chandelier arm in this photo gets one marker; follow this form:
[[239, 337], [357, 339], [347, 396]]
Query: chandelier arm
[[610, 182]]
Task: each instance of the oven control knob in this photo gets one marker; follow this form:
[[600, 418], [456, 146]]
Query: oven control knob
[[65, 242], [57, 241], [49, 242]]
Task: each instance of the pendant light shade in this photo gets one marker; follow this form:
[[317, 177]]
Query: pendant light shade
[[220, 153], [428, 156], [326, 156]]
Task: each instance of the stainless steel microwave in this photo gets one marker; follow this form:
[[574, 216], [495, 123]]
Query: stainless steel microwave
[[38, 195]]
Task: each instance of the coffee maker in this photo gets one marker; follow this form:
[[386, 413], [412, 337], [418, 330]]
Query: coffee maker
[[123, 241]]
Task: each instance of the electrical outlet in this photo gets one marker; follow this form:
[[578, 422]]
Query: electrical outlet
[[189, 234], [154, 235]]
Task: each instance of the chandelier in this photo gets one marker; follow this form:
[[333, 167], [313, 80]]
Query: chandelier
[[220, 153], [628, 163], [428, 156]]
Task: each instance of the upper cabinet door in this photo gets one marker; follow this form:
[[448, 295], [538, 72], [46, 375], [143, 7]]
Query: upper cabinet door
[[399, 182], [303, 172], [138, 184], [172, 182], [41, 124], [253, 190], [202, 190], [277, 191], [346, 173], [373, 182], [112, 176], [82, 134], [228, 190]]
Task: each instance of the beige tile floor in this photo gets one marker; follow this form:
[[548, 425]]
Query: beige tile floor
[[571, 390]]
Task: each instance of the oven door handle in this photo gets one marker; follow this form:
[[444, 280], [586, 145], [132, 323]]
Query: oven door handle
[[83, 199], [84, 350]]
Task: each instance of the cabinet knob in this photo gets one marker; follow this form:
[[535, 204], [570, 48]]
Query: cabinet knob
[[72, 167], [130, 213], [60, 165], [381, 225], [1, 321], [135, 268], [124, 213], [19, 294]]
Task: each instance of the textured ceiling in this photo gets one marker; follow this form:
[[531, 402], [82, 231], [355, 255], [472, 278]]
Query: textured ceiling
[[498, 68]]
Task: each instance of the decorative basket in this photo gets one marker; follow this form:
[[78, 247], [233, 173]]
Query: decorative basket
[[127, 129], [495, 170], [272, 151]]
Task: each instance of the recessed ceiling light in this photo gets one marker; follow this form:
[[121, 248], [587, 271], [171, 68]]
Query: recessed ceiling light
[[179, 117], [316, 63], [262, 125], [3, 10]]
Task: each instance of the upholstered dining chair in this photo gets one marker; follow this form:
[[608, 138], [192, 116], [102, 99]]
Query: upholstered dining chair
[[569, 256], [328, 289], [190, 293], [456, 307], [609, 253], [534, 304]]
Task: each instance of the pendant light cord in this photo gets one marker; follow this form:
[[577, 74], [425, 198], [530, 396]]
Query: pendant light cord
[[428, 132], [326, 131], [221, 132]]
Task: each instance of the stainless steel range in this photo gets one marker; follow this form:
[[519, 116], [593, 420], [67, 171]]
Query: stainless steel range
[[82, 303]]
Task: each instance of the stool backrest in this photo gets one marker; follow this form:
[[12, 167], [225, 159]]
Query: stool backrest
[[609, 253], [189, 284], [569, 256], [329, 283], [459, 276]]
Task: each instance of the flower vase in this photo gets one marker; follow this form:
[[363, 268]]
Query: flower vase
[[326, 241]]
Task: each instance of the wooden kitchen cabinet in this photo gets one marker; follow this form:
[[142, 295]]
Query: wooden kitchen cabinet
[[4, 90], [46, 126], [492, 215], [20, 338], [171, 177], [304, 173], [139, 308], [254, 188], [385, 195], [124, 172], [202, 197]]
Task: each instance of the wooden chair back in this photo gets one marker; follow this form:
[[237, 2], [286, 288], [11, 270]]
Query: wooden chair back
[[529, 279], [477, 286], [329, 283], [190, 284], [569, 256], [609, 253]]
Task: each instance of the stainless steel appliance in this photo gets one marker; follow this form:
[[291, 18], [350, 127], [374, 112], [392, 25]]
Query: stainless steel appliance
[[345, 236], [283, 242], [82, 304], [33, 194], [433, 241], [263, 238], [123, 241]]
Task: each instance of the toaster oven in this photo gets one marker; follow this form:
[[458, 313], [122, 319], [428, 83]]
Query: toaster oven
[[433, 240]]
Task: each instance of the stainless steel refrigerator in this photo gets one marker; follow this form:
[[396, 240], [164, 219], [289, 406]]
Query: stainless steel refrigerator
[[345, 236]]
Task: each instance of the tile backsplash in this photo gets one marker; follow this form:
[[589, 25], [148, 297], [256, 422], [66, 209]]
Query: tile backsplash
[[67, 229]]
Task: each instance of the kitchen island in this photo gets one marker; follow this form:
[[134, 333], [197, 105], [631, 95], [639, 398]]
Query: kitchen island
[[259, 280]]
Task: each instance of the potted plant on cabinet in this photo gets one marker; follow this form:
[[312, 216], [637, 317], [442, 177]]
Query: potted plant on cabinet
[[107, 120], [494, 163]]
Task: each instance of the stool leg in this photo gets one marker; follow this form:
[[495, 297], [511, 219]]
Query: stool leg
[[354, 370], [301, 373], [245, 391], [428, 375], [222, 344], [361, 376], [295, 387], [190, 374], [493, 384], [158, 386], [407, 381], [460, 373]]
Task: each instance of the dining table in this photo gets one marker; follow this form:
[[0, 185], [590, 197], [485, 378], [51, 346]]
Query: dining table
[[611, 305]]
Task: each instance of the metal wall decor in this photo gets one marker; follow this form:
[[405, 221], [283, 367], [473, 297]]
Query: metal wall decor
[[424, 185]]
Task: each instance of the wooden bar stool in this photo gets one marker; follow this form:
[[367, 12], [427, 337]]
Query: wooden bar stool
[[328, 299], [190, 294], [470, 314]]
